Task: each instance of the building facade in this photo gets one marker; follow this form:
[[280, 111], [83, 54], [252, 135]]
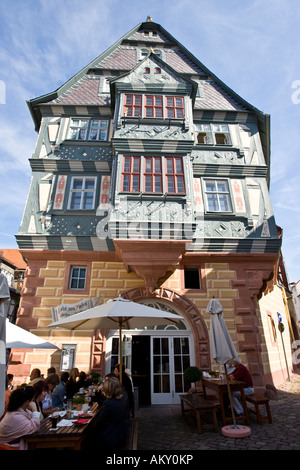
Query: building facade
[[150, 180]]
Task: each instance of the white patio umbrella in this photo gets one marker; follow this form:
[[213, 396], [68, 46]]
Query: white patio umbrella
[[17, 337], [4, 299], [223, 351], [118, 314]]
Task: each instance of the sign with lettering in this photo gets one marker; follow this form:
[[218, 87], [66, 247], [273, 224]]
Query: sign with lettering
[[66, 310]]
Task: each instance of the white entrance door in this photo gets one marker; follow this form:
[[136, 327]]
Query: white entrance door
[[170, 356]]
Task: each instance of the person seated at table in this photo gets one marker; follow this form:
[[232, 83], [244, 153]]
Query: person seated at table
[[10, 378], [22, 418], [242, 374], [40, 391], [82, 381], [59, 392], [71, 385], [127, 384], [51, 371], [8, 392], [111, 429], [35, 376], [99, 394], [52, 380]]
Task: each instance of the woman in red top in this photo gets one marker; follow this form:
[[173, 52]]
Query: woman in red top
[[242, 374]]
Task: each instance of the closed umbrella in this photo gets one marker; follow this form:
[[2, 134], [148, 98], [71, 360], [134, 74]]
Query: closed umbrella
[[223, 351], [118, 313]]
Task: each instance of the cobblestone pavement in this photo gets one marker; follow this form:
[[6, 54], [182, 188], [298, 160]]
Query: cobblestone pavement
[[163, 428]]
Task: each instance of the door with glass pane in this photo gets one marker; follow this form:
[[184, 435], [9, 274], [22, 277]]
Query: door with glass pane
[[170, 357]]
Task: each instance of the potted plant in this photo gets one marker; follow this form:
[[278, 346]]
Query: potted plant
[[78, 402], [192, 375]]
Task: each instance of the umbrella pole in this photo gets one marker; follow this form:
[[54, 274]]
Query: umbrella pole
[[120, 351], [234, 430], [229, 394]]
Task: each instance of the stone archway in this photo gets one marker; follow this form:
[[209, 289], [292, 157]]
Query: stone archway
[[188, 310]]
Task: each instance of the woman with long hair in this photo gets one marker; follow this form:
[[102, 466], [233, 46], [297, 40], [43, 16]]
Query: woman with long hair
[[22, 418], [112, 427]]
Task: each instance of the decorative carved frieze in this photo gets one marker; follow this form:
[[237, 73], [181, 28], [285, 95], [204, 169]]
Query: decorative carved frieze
[[220, 157]]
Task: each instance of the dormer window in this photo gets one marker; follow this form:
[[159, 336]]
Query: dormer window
[[150, 33], [154, 106], [145, 51]]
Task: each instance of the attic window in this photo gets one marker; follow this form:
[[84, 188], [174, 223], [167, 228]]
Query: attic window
[[147, 70], [145, 51], [157, 70], [150, 33]]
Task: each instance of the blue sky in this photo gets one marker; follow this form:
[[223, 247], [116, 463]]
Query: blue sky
[[254, 47]]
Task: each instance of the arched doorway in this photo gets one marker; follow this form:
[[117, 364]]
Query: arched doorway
[[158, 356]]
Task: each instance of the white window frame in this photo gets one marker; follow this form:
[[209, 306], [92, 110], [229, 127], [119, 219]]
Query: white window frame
[[219, 195], [83, 190], [144, 51], [211, 132], [86, 126]]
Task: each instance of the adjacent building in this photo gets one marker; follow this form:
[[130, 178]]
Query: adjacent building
[[150, 180]]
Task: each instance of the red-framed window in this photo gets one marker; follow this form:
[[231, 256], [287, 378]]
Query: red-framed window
[[130, 181], [174, 107], [152, 175], [153, 106], [160, 175], [174, 175], [133, 105]]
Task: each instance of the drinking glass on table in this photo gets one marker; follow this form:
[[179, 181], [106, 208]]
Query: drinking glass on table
[[54, 420]]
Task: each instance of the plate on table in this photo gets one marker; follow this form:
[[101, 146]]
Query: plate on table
[[81, 421]]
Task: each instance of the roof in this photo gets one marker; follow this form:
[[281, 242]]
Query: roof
[[14, 257], [84, 87]]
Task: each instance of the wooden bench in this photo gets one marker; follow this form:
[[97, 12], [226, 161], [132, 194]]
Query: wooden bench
[[131, 443], [199, 405], [258, 400]]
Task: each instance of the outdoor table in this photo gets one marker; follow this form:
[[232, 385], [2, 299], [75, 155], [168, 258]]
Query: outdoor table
[[220, 386], [64, 436]]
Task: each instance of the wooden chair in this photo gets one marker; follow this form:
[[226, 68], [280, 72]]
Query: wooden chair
[[199, 405], [258, 400]]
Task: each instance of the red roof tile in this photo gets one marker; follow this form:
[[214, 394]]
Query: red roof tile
[[14, 256]]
